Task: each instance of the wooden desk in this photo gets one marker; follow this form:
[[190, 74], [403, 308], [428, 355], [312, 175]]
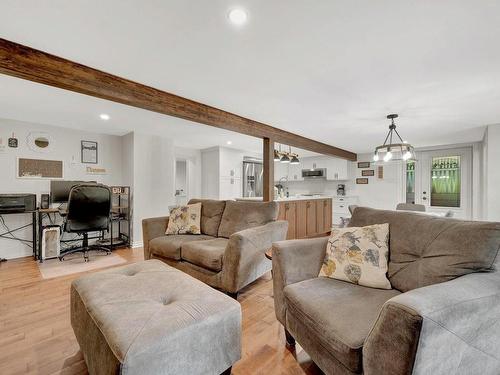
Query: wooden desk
[[33, 227]]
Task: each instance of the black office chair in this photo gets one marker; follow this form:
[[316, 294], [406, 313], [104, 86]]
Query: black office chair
[[89, 210]]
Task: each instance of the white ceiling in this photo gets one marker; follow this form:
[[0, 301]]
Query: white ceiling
[[329, 70]]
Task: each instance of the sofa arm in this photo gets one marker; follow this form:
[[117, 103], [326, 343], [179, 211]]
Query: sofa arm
[[446, 328], [152, 228], [245, 251], [294, 261]]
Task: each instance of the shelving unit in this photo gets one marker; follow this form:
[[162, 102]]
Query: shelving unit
[[119, 234]]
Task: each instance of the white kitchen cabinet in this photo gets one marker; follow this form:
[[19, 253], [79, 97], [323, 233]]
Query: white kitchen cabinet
[[309, 163], [231, 162], [340, 207], [336, 169], [230, 188], [280, 170], [295, 172], [221, 173]]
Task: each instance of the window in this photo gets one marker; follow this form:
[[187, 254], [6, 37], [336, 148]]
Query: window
[[445, 181], [410, 182]]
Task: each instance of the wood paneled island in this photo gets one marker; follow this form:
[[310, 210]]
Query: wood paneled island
[[306, 217]]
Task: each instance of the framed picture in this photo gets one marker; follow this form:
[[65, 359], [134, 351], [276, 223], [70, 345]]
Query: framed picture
[[368, 172], [39, 168], [362, 181], [364, 164], [380, 172], [89, 152]]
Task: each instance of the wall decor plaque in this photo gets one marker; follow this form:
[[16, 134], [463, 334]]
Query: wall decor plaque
[[362, 181], [39, 168], [380, 172], [89, 152], [368, 172], [364, 164]]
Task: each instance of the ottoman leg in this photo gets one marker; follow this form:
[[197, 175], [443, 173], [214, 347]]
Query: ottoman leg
[[228, 371]]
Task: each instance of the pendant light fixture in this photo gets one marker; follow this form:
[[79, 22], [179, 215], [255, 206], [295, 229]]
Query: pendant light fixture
[[286, 157], [276, 155], [394, 148]]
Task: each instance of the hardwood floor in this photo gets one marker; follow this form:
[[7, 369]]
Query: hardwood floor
[[36, 335]]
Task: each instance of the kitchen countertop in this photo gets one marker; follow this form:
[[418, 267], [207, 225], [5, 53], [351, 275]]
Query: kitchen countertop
[[287, 199], [296, 198]]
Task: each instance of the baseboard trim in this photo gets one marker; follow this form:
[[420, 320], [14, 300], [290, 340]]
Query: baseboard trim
[[136, 244]]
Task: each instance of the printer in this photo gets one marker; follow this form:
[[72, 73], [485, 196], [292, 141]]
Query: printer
[[14, 203]]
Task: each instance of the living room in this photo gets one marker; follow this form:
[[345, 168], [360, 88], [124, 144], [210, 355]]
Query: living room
[[313, 187]]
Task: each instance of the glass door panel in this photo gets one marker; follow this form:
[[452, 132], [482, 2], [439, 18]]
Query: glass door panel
[[445, 182], [410, 182], [442, 181]]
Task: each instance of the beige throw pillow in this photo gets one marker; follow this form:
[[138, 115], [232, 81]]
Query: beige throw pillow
[[185, 220], [358, 255]]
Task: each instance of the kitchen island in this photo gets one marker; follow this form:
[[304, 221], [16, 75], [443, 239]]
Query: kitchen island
[[307, 215]]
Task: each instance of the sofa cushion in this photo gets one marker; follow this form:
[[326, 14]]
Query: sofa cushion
[[211, 215], [243, 215], [170, 246], [337, 314], [206, 254], [425, 250], [358, 255], [185, 220]]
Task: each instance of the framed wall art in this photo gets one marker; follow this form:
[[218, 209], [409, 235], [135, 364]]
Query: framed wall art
[[368, 172], [89, 152], [362, 181], [364, 164], [38, 168]]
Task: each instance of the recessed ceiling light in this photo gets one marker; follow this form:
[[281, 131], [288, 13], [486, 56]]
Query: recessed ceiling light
[[238, 16], [104, 116], [229, 142]]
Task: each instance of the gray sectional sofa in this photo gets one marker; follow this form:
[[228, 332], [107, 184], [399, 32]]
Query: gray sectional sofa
[[230, 251], [442, 317]]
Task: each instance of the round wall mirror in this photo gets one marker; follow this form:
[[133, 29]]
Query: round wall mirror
[[40, 142]]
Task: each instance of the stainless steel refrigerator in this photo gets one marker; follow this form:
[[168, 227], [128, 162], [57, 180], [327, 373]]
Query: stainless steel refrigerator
[[252, 178]]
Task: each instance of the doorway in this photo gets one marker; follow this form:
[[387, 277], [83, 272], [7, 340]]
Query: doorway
[[181, 182], [441, 180]]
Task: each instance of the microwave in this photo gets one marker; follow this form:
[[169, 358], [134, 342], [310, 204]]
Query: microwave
[[314, 173]]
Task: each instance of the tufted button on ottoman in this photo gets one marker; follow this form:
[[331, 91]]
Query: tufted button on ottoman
[[149, 318]]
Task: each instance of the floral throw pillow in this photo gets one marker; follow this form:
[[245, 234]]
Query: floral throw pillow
[[185, 220], [358, 255]]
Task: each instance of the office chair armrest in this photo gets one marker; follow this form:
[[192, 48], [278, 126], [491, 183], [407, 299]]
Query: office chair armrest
[[152, 228]]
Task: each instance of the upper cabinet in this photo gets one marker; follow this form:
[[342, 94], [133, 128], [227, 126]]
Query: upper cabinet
[[231, 162], [336, 169], [280, 171], [295, 172]]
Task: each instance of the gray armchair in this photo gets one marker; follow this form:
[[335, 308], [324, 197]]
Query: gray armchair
[[441, 317], [230, 252]]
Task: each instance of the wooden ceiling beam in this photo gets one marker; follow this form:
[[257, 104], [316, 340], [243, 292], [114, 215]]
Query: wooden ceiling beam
[[25, 62]]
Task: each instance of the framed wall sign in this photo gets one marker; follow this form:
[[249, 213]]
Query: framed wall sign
[[89, 152], [368, 172], [363, 164], [39, 168], [362, 181]]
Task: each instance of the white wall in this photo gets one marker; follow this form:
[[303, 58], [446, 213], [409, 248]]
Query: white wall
[[492, 173], [66, 147], [385, 193], [154, 180]]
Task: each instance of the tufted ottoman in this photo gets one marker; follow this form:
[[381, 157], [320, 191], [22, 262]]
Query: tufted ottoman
[[149, 318]]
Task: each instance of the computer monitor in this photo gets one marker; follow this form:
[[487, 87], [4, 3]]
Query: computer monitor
[[59, 189]]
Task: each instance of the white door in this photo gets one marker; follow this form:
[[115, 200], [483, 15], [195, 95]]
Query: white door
[[442, 181]]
